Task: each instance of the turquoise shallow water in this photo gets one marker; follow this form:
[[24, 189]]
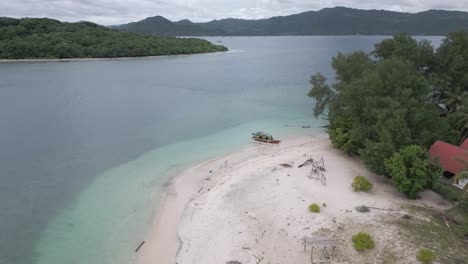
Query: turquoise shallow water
[[109, 218], [86, 145]]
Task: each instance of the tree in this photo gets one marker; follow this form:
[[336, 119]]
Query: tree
[[454, 100], [411, 170], [376, 107], [452, 62], [47, 38], [403, 46], [322, 93]]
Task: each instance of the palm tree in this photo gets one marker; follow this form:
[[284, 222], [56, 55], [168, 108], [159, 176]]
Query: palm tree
[[461, 121], [455, 100]]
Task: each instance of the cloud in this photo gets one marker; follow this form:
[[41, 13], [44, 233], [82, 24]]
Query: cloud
[[109, 12]]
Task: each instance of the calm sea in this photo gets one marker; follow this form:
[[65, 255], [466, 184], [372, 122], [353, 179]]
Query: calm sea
[[85, 146]]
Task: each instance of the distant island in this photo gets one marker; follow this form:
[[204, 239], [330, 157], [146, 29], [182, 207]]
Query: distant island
[[328, 21], [43, 38]]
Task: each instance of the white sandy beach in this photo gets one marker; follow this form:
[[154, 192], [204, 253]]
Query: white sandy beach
[[252, 210]]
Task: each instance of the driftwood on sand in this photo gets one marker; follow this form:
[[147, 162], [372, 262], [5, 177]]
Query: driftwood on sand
[[139, 246], [365, 209]]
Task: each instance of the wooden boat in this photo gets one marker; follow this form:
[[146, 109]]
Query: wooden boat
[[273, 141], [264, 138]]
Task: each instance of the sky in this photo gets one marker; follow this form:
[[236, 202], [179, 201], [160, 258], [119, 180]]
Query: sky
[[112, 12]]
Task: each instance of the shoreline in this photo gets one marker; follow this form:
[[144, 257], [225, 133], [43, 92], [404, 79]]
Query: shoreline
[[103, 59], [162, 242], [235, 206]]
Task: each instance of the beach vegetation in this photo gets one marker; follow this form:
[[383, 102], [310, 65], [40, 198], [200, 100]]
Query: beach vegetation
[[402, 93], [363, 241], [32, 38], [411, 171], [361, 184], [314, 208], [425, 256]]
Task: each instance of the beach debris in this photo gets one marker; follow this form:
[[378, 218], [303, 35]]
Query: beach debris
[[318, 169], [233, 262], [326, 248], [445, 217], [200, 190], [406, 217], [307, 162], [303, 126], [286, 165], [139, 246], [259, 259], [246, 248], [211, 171], [250, 215], [362, 209]]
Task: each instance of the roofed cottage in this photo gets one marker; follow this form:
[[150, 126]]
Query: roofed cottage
[[450, 158]]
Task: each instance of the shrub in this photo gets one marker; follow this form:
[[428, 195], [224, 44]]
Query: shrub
[[361, 183], [425, 256], [363, 241], [314, 208], [411, 171], [449, 192]]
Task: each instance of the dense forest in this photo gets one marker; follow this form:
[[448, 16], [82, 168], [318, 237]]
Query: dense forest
[[328, 21], [390, 105], [47, 38]]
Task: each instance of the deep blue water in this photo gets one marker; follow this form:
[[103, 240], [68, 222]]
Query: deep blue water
[[65, 124]]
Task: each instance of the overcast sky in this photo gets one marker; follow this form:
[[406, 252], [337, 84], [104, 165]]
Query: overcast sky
[[109, 12]]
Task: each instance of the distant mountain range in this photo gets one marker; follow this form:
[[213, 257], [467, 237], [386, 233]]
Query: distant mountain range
[[328, 21]]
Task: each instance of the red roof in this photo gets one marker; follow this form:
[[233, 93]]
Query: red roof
[[449, 155], [464, 145]]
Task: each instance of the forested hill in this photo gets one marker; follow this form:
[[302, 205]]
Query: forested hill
[[47, 38], [328, 21]]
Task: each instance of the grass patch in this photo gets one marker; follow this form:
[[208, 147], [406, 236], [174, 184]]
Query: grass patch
[[363, 241], [314, 208], [449, 192], [361, 184], [424, 230], [425, 256]]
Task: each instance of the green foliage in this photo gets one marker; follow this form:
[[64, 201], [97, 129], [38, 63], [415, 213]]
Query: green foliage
[[449, 192], [361, 183], [339, 131], [403, 46], [363, 241], [425, 256], [314, 208], [322, 93], [452, 62], [381, 104], [411, 171], [46, 38]]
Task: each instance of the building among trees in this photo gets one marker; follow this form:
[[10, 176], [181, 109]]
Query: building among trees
[[451, 159]]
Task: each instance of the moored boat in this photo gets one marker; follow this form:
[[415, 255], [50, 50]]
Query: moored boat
[[264, 138]]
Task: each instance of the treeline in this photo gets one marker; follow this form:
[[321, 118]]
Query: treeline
[[328, 21], [47, 38], [390, 105]]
